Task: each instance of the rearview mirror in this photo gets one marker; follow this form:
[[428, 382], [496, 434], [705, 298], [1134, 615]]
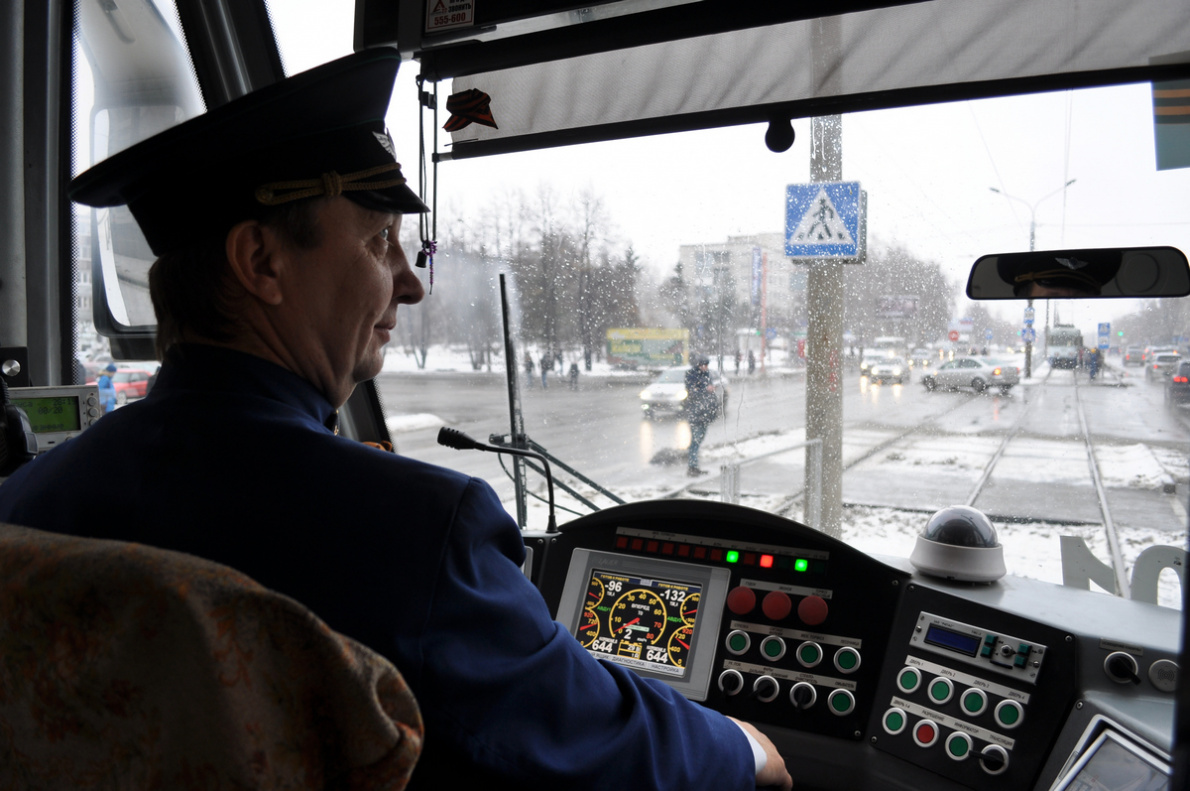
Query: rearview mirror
[[1105, 273]]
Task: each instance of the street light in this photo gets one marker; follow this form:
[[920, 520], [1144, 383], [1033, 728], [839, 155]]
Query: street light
[[1032, 209], [1032, 246]]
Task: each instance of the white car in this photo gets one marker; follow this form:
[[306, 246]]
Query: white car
[[667, 393], [894, 369], [978, 373]]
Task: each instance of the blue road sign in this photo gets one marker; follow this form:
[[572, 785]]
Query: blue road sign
[[1029, 335], [826, 220], [987, 334], [1105, 328]]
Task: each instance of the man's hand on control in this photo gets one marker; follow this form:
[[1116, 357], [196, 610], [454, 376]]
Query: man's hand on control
[[774, 774]]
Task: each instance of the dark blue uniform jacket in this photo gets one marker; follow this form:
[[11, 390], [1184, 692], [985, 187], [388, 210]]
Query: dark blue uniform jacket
[[230, 458]]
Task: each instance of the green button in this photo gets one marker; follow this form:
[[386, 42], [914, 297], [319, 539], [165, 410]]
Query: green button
[[894, 721], [985, 651], [737, 642], [810, 653], [840, 703], [908, 680], [848, 660], [1009, 715], [1023, 648], [958, 747], [972, 702], [773, 648], [989, 639], [1019, 660], [938, 691]]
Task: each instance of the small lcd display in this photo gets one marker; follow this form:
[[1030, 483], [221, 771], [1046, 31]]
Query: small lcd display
[[49, 414], [945, 638], [645, 624]]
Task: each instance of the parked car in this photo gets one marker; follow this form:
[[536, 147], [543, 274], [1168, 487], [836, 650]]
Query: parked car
[[666, 394], [978, 373], [130, 383], [891, 368], [1177, 386], [1162, 365], [1134, 355]]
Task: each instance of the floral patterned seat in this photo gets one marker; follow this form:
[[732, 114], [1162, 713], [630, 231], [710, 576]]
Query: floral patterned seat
[[128, 667]]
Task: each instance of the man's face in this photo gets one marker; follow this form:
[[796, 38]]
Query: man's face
[[340, 298]]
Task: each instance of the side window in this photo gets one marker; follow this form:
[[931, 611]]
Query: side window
[[132, 79]]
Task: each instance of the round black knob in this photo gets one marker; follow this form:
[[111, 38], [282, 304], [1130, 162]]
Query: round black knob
[[1121, 667], [731, 682], [803, 695]]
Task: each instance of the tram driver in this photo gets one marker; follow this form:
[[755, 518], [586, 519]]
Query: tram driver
[[275, 220]]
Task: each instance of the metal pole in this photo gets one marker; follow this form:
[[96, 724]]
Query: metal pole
[[516, 419], [824, 293]]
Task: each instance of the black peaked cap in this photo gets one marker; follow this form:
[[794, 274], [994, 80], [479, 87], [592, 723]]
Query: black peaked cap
[[320, 132]]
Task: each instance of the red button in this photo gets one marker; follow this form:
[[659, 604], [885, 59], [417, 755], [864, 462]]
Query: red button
[[776, 605], [926, 733], [741, 600], [812, 610]]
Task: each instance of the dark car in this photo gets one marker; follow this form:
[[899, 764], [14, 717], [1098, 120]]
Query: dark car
[[1177, 386], [1134, 355]]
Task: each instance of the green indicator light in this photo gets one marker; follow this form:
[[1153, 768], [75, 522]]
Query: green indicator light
[[801, 564], [733, 557], [895, 721], [958, 748]]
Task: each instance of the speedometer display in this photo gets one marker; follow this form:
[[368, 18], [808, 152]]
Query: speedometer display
[[646, 624]]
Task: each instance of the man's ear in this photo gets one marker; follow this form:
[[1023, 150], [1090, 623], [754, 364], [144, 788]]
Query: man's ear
[[253, 251]]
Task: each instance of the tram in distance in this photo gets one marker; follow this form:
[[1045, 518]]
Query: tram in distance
[[901, 588]]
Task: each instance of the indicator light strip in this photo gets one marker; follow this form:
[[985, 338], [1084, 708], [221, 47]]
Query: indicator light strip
[[953, 723], [797, 634], [798, 590], [968, 679], [660, 535], [790, 675]]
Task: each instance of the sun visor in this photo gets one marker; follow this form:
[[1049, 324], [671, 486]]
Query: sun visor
[[924, 52]]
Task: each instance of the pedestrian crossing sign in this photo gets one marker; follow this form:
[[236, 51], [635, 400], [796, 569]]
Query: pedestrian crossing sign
[[826, 220]]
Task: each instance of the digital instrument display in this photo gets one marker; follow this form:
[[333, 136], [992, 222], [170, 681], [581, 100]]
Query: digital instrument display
[[660, 618], [946, 638], [1115, 764], [646, 624], [51, 413]]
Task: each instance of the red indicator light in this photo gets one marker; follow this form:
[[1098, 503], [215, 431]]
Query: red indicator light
[[651, 546], [749, 558], [684, 550], [700, 552], [667, 548], [766, 561], [621, 542], [716, 554], [637, 544]]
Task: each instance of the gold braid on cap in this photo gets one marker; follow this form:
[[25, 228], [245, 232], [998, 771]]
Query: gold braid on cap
[[329, 184]]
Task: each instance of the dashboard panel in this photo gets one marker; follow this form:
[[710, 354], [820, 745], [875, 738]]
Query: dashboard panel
[[864, 673]]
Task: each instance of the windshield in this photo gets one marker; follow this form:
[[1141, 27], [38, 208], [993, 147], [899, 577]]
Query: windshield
[[628, 234], [619, 260]]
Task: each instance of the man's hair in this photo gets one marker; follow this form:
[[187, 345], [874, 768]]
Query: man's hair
[[193, 290]]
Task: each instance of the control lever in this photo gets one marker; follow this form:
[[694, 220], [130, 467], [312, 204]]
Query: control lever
[[453, 438]]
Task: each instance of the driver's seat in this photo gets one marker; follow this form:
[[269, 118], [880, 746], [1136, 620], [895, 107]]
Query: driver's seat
[[124, 666]]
